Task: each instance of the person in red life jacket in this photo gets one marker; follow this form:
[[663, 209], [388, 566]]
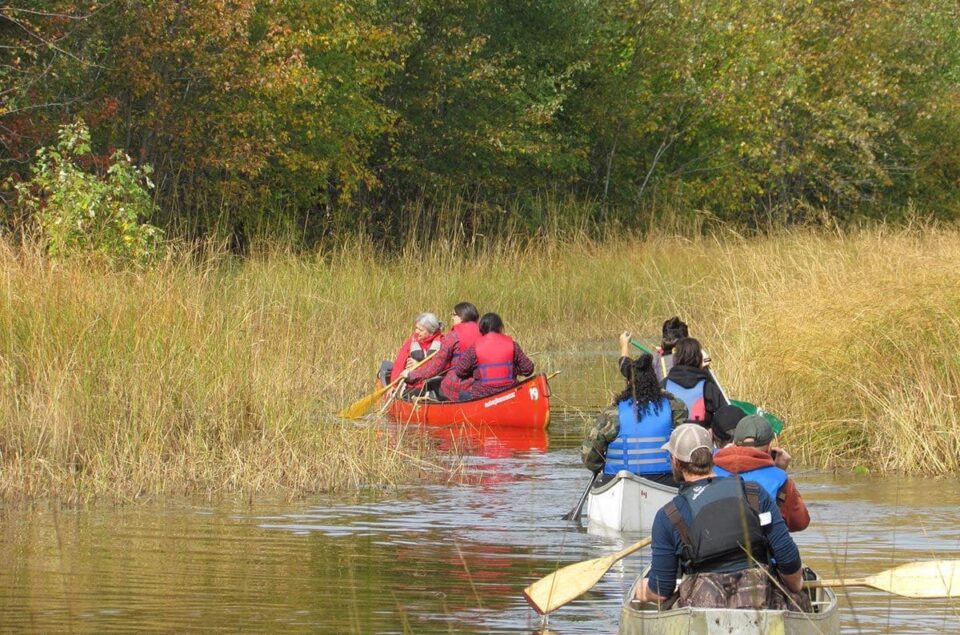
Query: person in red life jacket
[[751, 457], [426, 339], [494, 361], [693, 384], [461, 336]]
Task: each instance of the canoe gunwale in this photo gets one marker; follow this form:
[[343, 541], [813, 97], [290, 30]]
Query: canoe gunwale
[[525, 404], [635, 618]]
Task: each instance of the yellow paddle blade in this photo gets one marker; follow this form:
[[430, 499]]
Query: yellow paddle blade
[[930, 579], [363, 405], [553, 591]]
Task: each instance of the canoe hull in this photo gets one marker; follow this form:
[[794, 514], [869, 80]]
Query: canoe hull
[[627, 503], [526, 405], [635, 620]]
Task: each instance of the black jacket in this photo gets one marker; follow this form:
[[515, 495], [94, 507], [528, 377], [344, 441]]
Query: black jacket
[[688, 376]]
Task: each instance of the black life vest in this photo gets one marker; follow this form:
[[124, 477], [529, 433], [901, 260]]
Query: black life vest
[[726, 534]]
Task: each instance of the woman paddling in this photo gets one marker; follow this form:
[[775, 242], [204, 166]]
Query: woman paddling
[[424, 341], [462, 335], [494, 361], [629, 434]]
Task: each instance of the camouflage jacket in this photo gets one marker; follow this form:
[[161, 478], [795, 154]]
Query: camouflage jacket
[[607, 427]]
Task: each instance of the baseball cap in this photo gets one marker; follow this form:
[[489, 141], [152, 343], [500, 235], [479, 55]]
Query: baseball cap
[[725, 421], [687, 438], [756, 429]]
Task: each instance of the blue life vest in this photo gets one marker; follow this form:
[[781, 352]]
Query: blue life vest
[[637, 446], [692, 397], [771, 478]]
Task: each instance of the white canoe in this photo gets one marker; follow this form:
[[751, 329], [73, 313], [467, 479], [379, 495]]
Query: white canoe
[[636, 619], [627, 502]]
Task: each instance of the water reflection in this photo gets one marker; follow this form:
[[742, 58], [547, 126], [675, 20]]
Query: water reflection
[[424, 559]]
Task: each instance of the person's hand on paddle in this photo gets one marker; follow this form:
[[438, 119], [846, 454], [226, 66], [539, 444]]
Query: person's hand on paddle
[[625, 344]]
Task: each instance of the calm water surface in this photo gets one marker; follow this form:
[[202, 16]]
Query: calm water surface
[[425, 559]]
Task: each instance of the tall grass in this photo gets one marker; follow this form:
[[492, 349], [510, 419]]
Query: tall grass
[[219, 375]]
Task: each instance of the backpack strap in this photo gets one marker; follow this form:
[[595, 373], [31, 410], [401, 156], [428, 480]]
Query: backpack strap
[[673, 514], [782, 495], [752, 490]]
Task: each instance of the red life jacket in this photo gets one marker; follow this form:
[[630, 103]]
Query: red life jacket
[[467, 335], [419, 349], [494, 359]]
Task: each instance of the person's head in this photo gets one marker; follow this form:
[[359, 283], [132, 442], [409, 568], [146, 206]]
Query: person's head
[[753, 432], [673, 330], [691, 450], [425, 325], [465, 312], [491, 323], [686, 352], [724, 422], [642, 385]]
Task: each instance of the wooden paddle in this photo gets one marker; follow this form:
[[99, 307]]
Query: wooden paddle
[[362, 406], [929, 579], [553, 591]]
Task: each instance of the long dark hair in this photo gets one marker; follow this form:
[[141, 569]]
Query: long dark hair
[[687, 353], [642, 386]]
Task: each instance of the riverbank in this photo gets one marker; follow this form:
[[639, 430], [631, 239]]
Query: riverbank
[[219, 376]]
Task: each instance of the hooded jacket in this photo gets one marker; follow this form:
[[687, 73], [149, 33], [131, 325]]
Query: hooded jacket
[[688, 377], [742, 460]]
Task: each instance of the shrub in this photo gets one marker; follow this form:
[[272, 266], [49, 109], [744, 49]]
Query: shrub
[[77, 211]]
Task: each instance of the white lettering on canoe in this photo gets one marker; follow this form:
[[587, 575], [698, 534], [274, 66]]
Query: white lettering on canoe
[[501, 399], [534, 394]]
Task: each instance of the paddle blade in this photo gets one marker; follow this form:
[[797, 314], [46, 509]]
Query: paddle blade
[[361, 406], [930, 579], [553, 591], [564, 585], [750, 409]]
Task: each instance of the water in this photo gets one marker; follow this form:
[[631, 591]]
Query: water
[[423, 559]]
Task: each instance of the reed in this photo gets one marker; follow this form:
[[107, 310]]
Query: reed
[[218, 375]]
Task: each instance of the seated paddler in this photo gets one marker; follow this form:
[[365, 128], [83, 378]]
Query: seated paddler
[[462, 335], [629, 435], [494, 362], [725, 536], [423, 342]]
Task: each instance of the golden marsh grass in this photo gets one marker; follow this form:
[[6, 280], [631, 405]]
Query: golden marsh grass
[[220, 375]]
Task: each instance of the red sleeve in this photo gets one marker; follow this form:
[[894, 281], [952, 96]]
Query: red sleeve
[[521, 363], [401, 361], [437, 364], [464, 366], [793, 509]]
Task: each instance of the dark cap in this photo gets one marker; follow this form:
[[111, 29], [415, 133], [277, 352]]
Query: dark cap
[[725, 421], [753, 431]]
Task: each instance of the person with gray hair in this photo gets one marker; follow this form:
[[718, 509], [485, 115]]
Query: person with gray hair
[[424, 340]]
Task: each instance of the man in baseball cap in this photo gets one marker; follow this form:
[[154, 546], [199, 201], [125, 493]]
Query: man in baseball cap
[[751, 457], [708, 524]]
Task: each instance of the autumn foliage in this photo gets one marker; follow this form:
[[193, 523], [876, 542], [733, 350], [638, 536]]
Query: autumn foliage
[[332, 116]]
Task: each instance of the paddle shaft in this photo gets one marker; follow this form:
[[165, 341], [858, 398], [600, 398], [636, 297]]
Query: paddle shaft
[[361, 406], [574, 514]]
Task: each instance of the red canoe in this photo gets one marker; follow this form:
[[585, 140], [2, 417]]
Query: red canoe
[[526, 405]]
